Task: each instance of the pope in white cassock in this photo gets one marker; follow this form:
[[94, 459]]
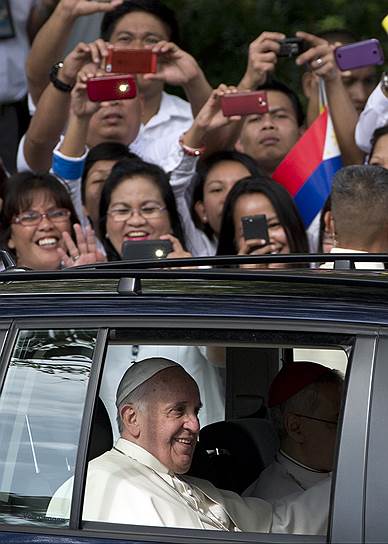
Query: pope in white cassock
[[141, 479]]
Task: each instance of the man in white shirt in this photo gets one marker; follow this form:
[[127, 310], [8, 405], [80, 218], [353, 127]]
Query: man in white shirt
[[140, 481], [358, 219], [304, 400], [135, 24]]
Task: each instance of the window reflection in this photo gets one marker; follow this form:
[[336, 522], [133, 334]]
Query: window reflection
[[41, 408]]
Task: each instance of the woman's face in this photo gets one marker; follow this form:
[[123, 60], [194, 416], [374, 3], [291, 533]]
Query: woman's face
[[219, 181], [259, 204], [135, 194], [380, 152], [36, 245]]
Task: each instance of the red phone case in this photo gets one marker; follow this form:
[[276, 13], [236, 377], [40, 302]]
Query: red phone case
[[106, 88], [244, 103], [131, 61], [359, 54]]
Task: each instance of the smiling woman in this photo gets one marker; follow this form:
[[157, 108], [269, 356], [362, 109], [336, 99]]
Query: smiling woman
[[261, 196], [137, 204], [39, 223]]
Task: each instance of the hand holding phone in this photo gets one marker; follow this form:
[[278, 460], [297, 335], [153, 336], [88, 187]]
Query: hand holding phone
[[255, 227], [131, 61], [244, 103], [106, 88], [359, 54], [146, 250]]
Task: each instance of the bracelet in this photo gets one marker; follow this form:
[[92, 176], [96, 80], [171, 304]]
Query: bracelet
[[191, 151], [58, 84]]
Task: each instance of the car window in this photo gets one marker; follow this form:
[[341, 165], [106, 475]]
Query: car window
[[41, 407], [237, 440]]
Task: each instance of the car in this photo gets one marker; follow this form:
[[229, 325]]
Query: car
[[67, 337]]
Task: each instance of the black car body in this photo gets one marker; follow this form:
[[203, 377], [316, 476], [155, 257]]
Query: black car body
[[56, 333]]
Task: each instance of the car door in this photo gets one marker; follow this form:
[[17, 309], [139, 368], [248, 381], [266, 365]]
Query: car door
[[51, 381]]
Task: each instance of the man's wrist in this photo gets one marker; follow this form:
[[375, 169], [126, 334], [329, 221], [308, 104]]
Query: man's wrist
[[59, 79], [250, 84], [64, 13]]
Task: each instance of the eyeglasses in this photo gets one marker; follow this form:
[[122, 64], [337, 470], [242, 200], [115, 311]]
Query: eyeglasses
[[32, 218], [148, 212], [318, 419]]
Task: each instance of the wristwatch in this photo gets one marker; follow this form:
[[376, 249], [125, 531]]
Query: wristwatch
[[58, 84], [384, 83]]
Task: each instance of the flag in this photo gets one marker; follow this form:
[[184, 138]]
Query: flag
[[308, 168]]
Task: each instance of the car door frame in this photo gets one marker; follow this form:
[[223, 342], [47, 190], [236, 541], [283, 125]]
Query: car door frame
[[365, 349]]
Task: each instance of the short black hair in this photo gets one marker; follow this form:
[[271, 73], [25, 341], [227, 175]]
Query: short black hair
[[104, 151], [153, 7], [359, 200], [273, 84], [126, 169], [378, 133], [284, 207]]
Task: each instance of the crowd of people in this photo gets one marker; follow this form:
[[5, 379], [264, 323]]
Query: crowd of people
[[82, 178], [157, 166]]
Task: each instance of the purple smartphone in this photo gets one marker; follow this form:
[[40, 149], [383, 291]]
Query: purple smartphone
[[359, 54]]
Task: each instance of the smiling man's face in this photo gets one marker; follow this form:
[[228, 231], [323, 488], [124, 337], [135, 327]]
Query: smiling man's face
[[169, 424], [268, 137]]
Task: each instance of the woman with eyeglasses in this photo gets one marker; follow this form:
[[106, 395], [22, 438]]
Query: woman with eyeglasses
[[137, 204], [40, 226]]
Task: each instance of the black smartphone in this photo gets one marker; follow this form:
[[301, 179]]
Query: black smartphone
[[255, 227], [291, 47], [147, 249]]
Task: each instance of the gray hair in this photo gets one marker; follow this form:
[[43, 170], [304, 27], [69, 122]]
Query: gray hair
[[305, 401], [360, 197]]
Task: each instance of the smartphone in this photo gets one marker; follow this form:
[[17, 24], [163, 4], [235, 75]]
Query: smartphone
[[359, 54], [244, 103], [104, 88], [291, 47], [131, 61], [255, 227], [148, 249]]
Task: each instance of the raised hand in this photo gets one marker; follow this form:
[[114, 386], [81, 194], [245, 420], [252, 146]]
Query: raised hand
[[175, 66], [320, 57], [77, 8], [262, 59], [81, 251]]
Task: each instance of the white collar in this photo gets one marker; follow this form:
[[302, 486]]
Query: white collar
[[141, 455]]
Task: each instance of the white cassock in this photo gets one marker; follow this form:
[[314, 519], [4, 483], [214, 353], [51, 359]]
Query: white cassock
[[128, 485], [283, 477]]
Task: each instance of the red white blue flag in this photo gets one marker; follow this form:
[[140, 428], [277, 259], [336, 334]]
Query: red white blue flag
[[307, 170]]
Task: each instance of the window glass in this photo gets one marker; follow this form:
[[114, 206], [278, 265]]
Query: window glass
[[332, 358], [135, 475], [41, 407]]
